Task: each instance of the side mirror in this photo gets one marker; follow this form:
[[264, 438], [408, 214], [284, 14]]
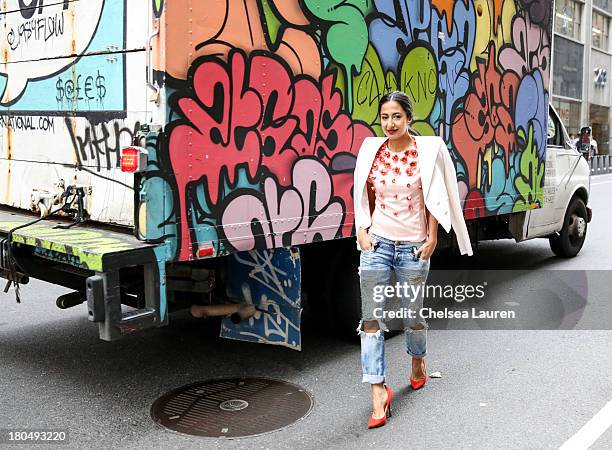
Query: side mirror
[[551, 129]]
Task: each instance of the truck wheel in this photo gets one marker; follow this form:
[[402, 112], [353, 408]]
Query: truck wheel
[[346, 291], [331, 282], [571, 237]]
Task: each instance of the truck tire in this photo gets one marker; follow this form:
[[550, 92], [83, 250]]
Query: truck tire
[[570, 239], [330, 279], [346, 292], [325, 277]]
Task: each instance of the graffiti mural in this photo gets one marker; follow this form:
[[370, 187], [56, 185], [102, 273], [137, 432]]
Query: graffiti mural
[[62, 56], [269, 102], [237, 121], [99, 146]]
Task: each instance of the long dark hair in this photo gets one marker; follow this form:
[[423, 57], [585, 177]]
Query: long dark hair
[[404, 101]]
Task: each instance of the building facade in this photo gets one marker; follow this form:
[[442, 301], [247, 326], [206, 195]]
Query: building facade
[[582, 67]]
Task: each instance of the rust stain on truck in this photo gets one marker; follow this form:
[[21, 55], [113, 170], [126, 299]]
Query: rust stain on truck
[[71, 30], [7, 182]]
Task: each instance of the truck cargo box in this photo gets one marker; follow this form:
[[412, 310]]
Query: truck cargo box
[[261, 107]]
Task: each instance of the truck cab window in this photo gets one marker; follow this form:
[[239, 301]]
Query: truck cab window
[[554, 131]]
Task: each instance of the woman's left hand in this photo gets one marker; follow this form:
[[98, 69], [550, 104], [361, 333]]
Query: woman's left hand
[[426, 250]]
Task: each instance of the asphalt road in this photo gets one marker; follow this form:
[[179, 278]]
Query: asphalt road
[[499, 388]]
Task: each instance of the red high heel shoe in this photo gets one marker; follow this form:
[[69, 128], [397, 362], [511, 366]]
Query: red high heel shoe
[[420, 382], [375, 423]]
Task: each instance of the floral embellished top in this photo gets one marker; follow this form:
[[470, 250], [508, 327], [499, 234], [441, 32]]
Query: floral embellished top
[[395, 180]]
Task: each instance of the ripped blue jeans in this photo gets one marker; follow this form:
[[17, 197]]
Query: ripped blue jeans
[[376, 268]]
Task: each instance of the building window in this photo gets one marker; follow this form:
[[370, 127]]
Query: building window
[[568, 63], [606, 5], [599, 121], [600, 31], [569, 113], [568, 14]]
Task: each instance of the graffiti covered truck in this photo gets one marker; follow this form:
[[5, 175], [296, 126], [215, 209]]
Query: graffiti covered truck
[[159, 154]]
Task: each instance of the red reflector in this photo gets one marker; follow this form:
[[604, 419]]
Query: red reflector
[[134, 159], [130, 159], [205, 252]]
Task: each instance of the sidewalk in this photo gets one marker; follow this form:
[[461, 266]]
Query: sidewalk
[[601, 164]]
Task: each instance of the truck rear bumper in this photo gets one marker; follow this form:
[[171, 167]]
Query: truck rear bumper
[[109, 268]]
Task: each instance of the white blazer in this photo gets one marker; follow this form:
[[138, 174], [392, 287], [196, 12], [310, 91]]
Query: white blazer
[[438, 178]]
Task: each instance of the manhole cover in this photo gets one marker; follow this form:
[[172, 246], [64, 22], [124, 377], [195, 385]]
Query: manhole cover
[[232, 408]]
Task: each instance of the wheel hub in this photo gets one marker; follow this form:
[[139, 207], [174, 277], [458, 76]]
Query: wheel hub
[[581, 227], [577, 226]]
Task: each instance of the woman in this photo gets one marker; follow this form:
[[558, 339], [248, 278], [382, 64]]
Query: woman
[[404, 186]]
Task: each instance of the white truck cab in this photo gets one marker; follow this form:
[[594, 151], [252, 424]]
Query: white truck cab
[[564, 216]]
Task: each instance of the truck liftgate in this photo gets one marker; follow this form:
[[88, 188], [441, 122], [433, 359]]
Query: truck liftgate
[[106, 268]]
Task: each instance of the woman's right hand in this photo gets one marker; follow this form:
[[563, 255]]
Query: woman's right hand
[[364, 239]]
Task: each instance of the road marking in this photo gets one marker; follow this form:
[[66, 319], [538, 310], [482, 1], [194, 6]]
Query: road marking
[[591, 431]]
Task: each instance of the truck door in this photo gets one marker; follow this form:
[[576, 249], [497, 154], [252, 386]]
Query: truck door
[[560, 158]]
